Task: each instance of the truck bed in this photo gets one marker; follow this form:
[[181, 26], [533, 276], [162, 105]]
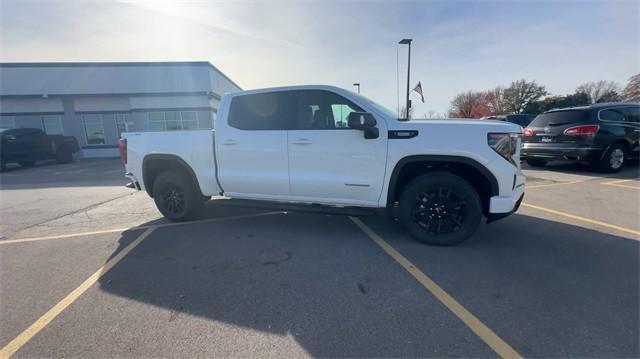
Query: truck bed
[[195, 148]]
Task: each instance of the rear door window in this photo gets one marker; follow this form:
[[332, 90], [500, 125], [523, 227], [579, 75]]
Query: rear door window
[[272, 111], [633, 114], [558, 118], [612, 115]]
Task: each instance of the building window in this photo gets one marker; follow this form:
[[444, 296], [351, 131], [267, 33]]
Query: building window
[[94, 129], [52, 125], [121, 124], [172, 121], [7, 122]]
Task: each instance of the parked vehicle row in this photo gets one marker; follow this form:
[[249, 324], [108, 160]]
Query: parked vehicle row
[[26, 146], [522, 119], [322, 145], [604, 135]]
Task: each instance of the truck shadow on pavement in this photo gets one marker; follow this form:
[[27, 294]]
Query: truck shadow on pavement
[[547, 288]]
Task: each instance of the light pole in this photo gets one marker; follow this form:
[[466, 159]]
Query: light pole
[[407, 42], [358, 86]]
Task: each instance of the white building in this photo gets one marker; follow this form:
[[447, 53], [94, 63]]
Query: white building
[[95, 102]]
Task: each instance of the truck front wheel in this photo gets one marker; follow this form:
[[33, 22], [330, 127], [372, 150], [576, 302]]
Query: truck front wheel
[[177, 197], [440, 208]]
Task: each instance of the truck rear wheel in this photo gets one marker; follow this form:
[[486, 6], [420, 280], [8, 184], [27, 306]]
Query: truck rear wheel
[[177, 197], [440, 208]]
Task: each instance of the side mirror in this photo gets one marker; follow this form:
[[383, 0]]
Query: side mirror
[[361, 120], [364, 121]]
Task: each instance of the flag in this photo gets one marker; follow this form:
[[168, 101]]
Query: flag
[[418, 89]]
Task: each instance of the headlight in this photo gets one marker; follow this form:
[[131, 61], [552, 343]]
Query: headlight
[[505, 144]]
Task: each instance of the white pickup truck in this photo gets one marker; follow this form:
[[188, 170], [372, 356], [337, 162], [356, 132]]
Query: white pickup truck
[[324, 145]]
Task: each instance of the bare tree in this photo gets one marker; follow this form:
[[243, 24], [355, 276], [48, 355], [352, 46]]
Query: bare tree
[[601, 91], [520, 93], [632, 90], [403, 112], [470, 104], [494, 100]]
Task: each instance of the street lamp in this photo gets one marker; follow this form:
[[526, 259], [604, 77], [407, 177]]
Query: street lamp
[[358, 86], [407, 42]]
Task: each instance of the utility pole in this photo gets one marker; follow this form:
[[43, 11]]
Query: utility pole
[[358, 86], [408, 105]]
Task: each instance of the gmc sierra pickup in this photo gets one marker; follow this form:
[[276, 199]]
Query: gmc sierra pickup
[[328, 146]]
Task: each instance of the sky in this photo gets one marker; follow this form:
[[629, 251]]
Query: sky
[[457, 45]]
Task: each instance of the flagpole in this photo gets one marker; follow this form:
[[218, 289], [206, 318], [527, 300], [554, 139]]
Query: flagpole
[[408, 73], [407, 42], [398, 80]]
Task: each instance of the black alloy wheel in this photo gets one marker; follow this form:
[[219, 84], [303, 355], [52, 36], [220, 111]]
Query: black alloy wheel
[[439, 211], [440, 208], [177, 197]]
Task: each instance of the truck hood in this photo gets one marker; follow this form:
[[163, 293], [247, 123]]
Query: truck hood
[[455, 123]]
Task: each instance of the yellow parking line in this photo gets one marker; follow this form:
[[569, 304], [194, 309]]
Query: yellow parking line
[[583, 219], [617, 183], [114, 230], [553, 184], [487, 335], [42, 322]]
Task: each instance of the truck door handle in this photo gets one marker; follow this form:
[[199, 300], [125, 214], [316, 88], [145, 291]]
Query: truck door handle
[[302, 141], [229, 142]]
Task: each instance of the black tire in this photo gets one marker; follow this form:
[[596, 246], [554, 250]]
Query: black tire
[[64, 155], [177, 197], [536, 163], [459, 210], [27, 163], [3, 165], [613, 160]]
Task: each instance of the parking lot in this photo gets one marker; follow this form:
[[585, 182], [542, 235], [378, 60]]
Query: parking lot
[[88, 268]]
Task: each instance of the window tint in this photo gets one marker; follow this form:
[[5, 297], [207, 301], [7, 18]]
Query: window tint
[[263, 111], [323, 110], [559, 118], [612, 114], [633, 114]]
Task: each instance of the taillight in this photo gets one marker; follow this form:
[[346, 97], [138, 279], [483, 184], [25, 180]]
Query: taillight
[[585, 130], [527, 132], [122, 147]]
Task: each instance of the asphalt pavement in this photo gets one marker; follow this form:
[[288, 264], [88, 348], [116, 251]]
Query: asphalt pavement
[[100, 274]]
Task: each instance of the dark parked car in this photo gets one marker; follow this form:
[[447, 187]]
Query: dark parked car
[[604, 135], [28, 145], [522, 119]]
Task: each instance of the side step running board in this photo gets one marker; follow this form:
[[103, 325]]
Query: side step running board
[[299, 207]]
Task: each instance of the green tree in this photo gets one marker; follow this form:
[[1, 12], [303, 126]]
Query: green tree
[[521, 93]]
